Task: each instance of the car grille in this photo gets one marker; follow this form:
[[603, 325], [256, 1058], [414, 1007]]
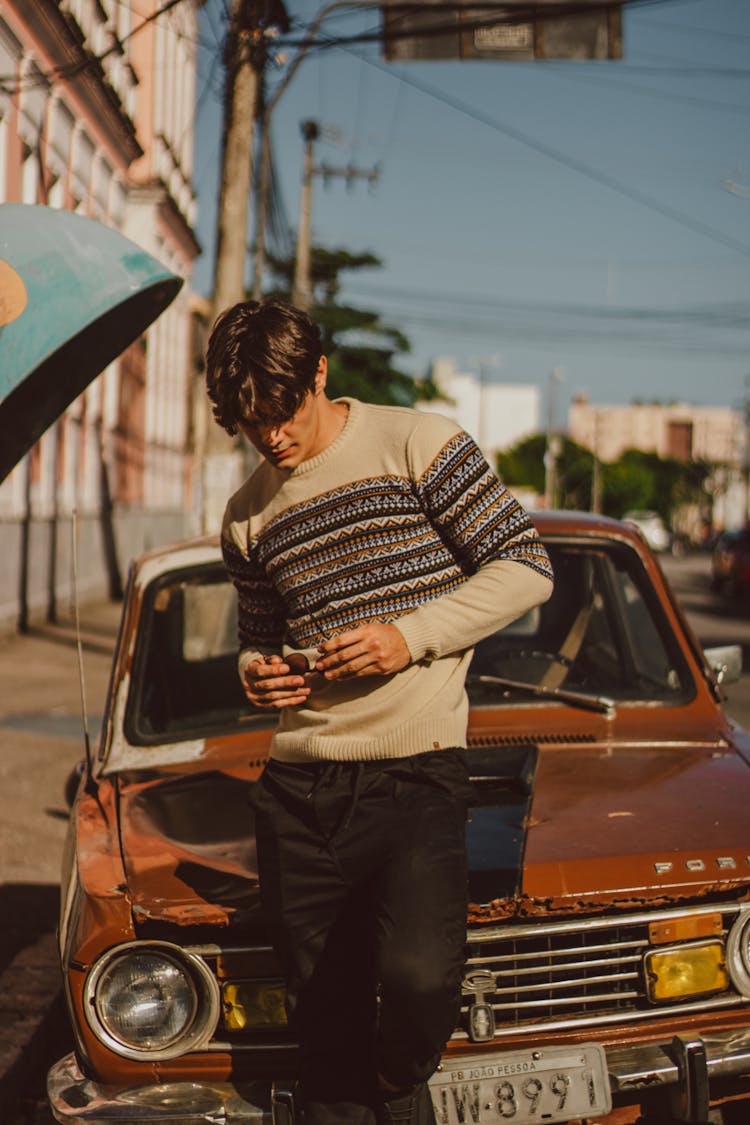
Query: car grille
[[560, 975], [537, 976]]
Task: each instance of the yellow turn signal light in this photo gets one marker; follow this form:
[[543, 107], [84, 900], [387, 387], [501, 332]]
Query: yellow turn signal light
[[686, 970], [253, 1005]]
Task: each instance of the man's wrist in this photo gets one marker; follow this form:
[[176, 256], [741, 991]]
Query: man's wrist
[[418, 636]]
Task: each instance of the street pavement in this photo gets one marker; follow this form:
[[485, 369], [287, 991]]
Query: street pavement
[[41, 740], [715, 620]]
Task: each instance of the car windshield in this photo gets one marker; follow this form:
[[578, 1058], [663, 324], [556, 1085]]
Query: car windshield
[[602, 632]]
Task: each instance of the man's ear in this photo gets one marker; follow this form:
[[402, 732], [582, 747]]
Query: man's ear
[[321, 375]]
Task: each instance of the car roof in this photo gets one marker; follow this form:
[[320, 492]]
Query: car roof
[[553, 524]]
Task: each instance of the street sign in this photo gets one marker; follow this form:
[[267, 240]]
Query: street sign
[[423, 29]]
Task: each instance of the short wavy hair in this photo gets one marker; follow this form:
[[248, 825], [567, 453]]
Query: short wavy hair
[[262, 358]]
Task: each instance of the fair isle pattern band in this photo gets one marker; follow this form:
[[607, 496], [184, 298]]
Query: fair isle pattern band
[[377, 548]]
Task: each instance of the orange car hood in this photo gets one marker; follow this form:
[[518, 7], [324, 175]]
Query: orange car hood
[[628, 824], [570, 829], [188, 848]]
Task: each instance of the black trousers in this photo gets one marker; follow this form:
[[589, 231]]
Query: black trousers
[[363, 881]]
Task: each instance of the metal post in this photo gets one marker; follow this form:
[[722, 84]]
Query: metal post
[[553, 442], [596, 475], [302, 288]]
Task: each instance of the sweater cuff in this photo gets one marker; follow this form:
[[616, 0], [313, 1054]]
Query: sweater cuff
[[419, 636]]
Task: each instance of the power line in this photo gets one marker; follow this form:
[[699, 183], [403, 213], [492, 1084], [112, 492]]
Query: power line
[[682, 71], [543, 334], [702, 31], [570, 162], [720, 315], [634, 194], [10, 84], [650, 91], [510, 15]]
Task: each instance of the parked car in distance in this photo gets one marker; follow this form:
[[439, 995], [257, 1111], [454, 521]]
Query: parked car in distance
[[730, 562], [607, 965], [653, 529]]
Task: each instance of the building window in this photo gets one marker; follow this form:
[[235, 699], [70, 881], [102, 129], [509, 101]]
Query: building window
[[10, 53], [117, 200], [80, 172], [680, 441], [59, 138], [102, 180], [34, 89], [30, 175]]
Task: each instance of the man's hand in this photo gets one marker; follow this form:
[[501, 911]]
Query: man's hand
[[270, 685], [371, 650]]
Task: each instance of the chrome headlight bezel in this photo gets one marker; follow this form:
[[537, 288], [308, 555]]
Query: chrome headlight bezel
[[205, 1009], [738, 952]]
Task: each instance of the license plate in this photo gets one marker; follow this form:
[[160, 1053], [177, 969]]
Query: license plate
[[524, 1087]]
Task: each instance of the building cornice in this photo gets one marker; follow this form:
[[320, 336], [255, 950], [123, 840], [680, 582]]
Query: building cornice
[[156, 193], [61, 38]]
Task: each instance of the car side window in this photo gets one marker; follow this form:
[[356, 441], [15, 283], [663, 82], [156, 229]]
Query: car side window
[[185, 678]]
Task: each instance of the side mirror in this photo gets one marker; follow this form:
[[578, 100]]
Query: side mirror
[[725, 662]]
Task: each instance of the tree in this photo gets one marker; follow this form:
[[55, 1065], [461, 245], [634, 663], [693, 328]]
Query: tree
[[644, 480], [361, 349], [637, 480], [627, 485], [523, 464]]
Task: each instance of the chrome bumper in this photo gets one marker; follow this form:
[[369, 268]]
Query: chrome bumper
[[687, 1070], [77, 1100], [685, 1074]]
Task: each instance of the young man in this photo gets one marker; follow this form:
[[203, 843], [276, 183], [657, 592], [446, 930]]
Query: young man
[[371, 549]]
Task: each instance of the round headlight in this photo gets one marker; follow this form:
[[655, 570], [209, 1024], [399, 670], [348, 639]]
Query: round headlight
[[152, 1000], [738, 953]]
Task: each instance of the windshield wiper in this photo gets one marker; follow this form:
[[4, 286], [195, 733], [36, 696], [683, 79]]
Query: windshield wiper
[[601, 703]]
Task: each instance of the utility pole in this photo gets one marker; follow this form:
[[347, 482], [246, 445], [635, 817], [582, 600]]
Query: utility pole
[[264, 176], [220, 458], [262, 199], [302, 286], [244, 59]]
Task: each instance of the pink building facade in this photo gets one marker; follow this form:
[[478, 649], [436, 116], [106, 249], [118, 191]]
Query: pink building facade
[[679, 431], [97, 101]]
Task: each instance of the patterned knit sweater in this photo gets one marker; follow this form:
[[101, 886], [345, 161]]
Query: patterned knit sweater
[[399, 520]]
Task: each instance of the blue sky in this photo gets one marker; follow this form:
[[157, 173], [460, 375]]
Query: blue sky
[[587, 216]]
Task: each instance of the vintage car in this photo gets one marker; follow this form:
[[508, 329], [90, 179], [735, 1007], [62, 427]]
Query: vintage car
[[730, 563], [607, 967]]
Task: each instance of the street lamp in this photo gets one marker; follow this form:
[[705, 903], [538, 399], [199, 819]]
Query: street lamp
[[596, 470], [553, 441], [264, 176]]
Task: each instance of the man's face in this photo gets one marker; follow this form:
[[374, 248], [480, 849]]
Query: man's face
[[287, 444]]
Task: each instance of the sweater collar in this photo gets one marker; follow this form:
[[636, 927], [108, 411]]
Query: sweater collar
[[342, 438]]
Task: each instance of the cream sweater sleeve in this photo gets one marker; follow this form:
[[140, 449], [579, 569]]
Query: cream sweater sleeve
[[500, 592], [491, 536]]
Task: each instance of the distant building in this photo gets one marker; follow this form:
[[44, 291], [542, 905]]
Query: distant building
[[683, 432], [677, 430], [497, 415]]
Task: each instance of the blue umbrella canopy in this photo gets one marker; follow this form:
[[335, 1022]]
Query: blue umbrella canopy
[[73, 295]]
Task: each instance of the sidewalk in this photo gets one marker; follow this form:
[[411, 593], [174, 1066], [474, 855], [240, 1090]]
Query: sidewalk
[[41, 741]]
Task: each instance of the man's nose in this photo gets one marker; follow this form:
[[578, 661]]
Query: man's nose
[[271, 433]]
